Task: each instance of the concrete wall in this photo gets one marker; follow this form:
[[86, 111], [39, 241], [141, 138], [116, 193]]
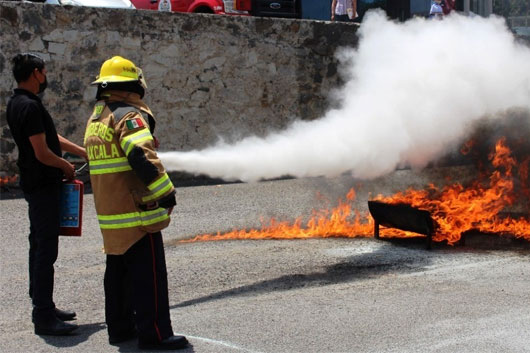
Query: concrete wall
[[209, 76]]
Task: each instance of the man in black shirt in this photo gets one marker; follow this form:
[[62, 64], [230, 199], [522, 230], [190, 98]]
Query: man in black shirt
[[41, 170]]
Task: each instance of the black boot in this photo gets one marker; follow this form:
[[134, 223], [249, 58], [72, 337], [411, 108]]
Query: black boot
[[65, 315], [167, 344], [54, 327]]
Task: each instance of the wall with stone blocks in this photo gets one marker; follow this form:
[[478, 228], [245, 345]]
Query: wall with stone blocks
[[209, 76]]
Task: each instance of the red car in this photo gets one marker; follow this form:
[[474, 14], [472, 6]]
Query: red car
[[266, 8], [198, 6]]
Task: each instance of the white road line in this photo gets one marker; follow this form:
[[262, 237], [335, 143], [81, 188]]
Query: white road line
[[222, 343]]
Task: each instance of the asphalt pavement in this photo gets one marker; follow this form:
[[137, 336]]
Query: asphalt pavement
[[313, 295]]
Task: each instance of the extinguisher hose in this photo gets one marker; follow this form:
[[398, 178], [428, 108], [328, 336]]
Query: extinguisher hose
[[80, 169]]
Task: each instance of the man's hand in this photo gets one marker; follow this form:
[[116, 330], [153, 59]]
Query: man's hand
[[71, 147], [68, 170]]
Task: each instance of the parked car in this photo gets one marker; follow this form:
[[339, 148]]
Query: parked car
[[220, 7], [94, 3], [271, 8], [268, 8]]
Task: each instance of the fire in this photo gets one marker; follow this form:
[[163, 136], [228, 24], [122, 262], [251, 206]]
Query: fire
[[6, 181], [322, 224], [457, 209], [454, 208], [524, 176]]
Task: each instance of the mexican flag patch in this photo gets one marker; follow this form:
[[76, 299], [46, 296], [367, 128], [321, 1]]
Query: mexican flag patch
[[134, 123]]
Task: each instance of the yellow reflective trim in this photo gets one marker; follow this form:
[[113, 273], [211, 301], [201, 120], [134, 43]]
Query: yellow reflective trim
[[158, 188], [108, 161], [98, 109], [128, 142], [159, 193], [108, 166], [120, 226], [133, 219], [132, 136], [157, 182], [110, 170], [156, 220], [131, 146], [111, 217], [129, 74], [148, 198], [136, 223]]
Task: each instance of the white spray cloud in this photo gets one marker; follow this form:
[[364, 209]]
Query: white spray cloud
[[414, 89]]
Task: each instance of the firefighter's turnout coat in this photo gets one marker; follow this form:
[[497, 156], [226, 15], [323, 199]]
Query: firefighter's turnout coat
[[131, 187]]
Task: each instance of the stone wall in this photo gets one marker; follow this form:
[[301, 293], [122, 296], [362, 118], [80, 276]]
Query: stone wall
[[209, 76]]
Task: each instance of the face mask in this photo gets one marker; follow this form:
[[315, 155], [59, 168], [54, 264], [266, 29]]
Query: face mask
[[42, 86]]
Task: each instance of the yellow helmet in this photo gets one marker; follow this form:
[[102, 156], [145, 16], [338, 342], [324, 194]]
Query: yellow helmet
[[118, 69]]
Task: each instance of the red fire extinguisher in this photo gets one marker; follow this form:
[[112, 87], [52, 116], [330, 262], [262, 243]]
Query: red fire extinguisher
[[71, 216]]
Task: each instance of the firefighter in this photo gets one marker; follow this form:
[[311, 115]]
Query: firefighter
[[134, 198]]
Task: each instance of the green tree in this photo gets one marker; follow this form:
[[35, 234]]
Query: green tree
[[510, 8]]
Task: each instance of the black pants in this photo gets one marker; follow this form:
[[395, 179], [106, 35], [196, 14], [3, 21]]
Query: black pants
[[136, 291], [44, 206], [342, 18]]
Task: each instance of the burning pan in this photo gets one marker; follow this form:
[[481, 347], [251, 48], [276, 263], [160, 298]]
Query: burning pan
[[401, 216]]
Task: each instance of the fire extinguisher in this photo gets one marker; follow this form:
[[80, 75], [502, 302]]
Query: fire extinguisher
[[71, 213]]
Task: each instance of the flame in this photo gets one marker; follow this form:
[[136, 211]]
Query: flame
[[457, 209], [524, 176], [6, 181], [454, 208], [467, 147], [323, 224]]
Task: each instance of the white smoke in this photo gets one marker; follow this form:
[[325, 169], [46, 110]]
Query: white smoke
[[414, 89]]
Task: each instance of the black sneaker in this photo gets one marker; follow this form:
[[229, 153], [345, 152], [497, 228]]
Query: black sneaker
[[54, 328], [167, 344]]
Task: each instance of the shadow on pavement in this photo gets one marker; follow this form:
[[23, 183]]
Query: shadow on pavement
[[411, 257], [78, 336], [83, 333], [397, 255]]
